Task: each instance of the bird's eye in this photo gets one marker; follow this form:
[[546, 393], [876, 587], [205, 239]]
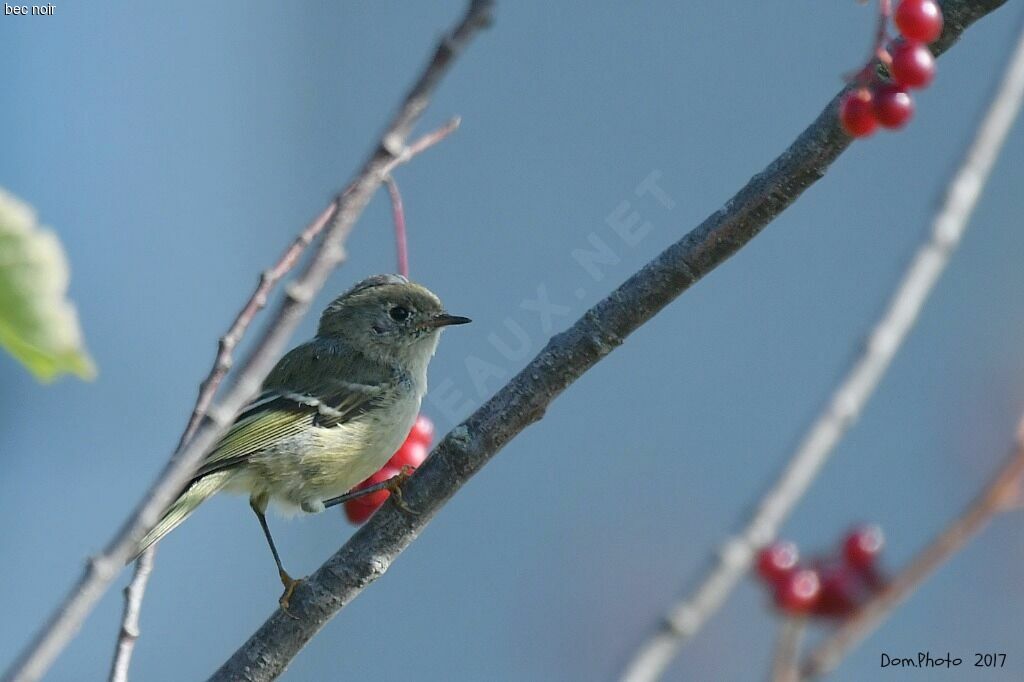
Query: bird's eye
[[398, 313]]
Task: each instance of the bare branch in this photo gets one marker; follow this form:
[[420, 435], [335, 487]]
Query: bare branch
[[521, 402], [129, 633], [340, 218], [685, 618], [998, 496], [422, 144]]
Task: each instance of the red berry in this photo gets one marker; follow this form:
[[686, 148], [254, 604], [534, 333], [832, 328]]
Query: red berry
[[776, 561], [799, 591], [862, 546], [841, 590], [893, 106], [422, 431], [919, 20], [856, 114], [913, 65], [412, 453], [357, 512], [361, 508]]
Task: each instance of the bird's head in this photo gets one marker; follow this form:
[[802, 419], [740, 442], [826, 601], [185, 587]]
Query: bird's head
[[388, 317]]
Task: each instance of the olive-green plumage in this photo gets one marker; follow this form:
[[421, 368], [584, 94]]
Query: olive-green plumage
[[332, 411]]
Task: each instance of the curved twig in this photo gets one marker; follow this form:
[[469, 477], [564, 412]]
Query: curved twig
[[398, 217]]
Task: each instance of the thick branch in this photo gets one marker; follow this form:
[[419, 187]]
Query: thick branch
[[343, 213], [521, 402]]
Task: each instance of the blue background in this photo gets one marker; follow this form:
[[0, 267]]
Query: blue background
[[177, 147]]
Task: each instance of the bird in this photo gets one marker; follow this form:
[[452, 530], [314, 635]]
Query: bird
[[330, 413]]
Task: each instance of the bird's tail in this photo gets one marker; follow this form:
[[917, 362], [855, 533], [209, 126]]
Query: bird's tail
[[182, 508]]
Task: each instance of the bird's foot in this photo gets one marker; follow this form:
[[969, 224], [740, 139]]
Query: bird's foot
[[290, 584], [394, 486]]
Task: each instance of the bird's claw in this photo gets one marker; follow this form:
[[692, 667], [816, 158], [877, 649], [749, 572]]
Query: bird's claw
[[395, 488], [290, 584]]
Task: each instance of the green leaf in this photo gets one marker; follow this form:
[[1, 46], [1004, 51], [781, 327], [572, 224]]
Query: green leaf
[[38, 325]]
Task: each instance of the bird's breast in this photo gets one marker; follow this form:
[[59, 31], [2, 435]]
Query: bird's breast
[[351, 452]]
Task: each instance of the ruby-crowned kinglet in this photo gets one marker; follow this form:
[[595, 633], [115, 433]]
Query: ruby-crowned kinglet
[[332, 411]]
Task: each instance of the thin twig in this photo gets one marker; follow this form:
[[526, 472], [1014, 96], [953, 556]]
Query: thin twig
[[37, 657], [1001, 494], [786, 661], [523, 400], [685, 618], [421, 144], [129, 632], [398, 215]]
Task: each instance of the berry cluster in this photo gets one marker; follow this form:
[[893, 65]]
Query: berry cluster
[[411, 454], [910, 64], [828, 587]]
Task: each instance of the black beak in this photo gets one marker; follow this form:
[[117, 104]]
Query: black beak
[[445, 320]]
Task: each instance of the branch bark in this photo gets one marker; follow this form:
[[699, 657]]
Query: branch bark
[[523, 401], [340, 217]]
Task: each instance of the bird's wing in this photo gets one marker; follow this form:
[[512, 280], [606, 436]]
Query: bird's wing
[[313, 398], [274, 417]]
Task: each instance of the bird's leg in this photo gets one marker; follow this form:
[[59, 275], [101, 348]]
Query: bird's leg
[[392, 485], [259, 506]]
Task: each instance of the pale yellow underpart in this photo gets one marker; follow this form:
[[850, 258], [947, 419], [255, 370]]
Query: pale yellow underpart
[[326, 462]]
